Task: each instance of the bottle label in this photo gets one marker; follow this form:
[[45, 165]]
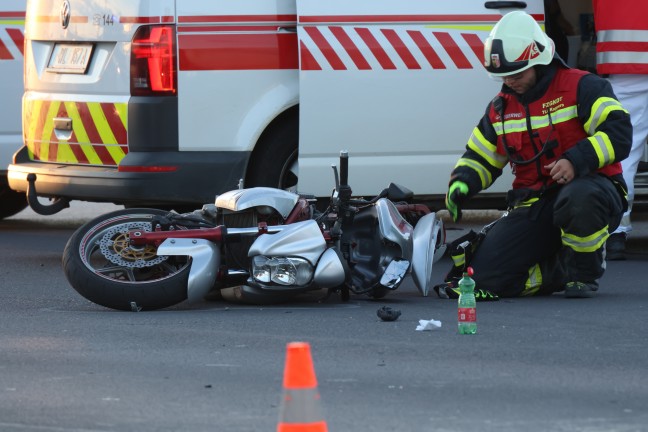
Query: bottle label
[[467, 314]]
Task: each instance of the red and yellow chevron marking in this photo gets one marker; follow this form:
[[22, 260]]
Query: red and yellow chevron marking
[[99, 132], [11, 34]]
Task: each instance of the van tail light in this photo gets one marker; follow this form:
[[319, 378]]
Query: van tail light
[[153, 61]]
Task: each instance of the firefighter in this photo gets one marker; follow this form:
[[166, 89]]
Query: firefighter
[[564, 134]]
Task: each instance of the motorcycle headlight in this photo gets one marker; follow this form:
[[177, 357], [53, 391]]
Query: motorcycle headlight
[[282, 270]]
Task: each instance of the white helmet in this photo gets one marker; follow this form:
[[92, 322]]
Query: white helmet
[[516, 43]]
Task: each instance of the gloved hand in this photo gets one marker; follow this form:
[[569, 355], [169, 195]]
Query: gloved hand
[[457, 194]]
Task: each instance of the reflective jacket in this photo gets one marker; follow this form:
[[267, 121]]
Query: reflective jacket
[[571, 113], [622, 36]]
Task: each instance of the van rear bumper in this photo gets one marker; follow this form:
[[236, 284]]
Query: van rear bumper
[[184, 177]]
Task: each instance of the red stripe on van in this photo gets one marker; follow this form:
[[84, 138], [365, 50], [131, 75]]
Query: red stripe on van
[[52, 147], [115, 123], [77, 151], [226, 28], [238, 51], [4, 52], [427, 50], [326, 48], [146, 19], [453, 50], [236, 18], [376, 49], [93, 135], [402, 50], [308, 62], [40, 124], [351, 48], [475, 44], [18, 37], [12, 14]]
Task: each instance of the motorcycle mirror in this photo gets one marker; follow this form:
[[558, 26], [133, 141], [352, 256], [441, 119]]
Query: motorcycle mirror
[[396, 192]]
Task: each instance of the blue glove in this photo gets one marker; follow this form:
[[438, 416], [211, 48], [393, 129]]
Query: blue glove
[[457, 194]]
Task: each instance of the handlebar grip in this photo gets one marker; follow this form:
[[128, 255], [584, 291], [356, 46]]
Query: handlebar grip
[[344, 167]]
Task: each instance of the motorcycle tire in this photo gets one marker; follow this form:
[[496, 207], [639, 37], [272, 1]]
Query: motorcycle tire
[[101, 266]]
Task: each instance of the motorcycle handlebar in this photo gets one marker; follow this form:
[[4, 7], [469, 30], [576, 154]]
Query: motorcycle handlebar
[[344, 168]]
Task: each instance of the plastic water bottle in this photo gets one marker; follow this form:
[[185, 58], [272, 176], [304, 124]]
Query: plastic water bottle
[[467, 305]]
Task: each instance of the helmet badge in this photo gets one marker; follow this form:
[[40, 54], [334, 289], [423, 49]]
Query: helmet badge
[[530, 52], [495, 61], [66, 12]]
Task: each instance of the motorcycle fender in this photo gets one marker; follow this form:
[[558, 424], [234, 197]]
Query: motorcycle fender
[[331, 270], [205, 261], [241, 199], [427, 234]]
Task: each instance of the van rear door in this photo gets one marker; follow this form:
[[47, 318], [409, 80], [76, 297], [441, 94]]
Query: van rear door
[[398, 83], [83, 84]]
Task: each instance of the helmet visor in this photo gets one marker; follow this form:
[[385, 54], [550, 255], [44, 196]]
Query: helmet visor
[[496, 62]]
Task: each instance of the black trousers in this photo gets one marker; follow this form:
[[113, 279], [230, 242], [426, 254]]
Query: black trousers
[[532, 244]]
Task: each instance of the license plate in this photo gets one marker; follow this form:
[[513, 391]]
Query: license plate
[[70, 58]]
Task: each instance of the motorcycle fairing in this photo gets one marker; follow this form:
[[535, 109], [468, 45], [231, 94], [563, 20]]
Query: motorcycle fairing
[[429, 245], [205, 261], [393, 227], [301, 239], [240, 199]]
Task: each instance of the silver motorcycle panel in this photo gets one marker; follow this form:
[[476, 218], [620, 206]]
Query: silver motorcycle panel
[[393, 227], [427, 234], [330, 271], [301, 239], [205, 261], [240, 199]]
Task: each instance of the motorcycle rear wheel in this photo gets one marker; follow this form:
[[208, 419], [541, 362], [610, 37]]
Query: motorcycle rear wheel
[[102, 267]]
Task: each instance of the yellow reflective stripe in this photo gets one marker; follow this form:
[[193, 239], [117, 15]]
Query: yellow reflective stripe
[[600, 111], [104, 130], [64, 153], [486, 149], [591, 243], [510, 126], [483, 173], [48, 129], [82, 134], [534, 281], [526, 203], [122, 110], [101, 123], [536, 122], [564, 114], [459, 260], [603, 148]]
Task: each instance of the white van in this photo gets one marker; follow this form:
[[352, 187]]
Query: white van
[[164, 102], [12, 24]]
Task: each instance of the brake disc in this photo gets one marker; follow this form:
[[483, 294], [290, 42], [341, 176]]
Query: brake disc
[[115, 246]]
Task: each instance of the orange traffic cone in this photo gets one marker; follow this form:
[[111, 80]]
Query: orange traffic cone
[[300, 409]]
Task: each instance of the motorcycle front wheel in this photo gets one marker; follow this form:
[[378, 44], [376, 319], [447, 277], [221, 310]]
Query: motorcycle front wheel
[[103, 267]]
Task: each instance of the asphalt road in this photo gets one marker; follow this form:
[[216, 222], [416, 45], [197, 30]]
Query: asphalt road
[[536, 364]]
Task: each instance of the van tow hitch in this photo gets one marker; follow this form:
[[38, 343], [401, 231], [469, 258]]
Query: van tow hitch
[[56, 206]]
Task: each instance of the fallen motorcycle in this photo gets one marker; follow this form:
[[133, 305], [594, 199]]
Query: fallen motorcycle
[[258, 245]]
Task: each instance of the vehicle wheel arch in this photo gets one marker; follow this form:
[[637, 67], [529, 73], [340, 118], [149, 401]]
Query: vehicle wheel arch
[[280, 137]]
